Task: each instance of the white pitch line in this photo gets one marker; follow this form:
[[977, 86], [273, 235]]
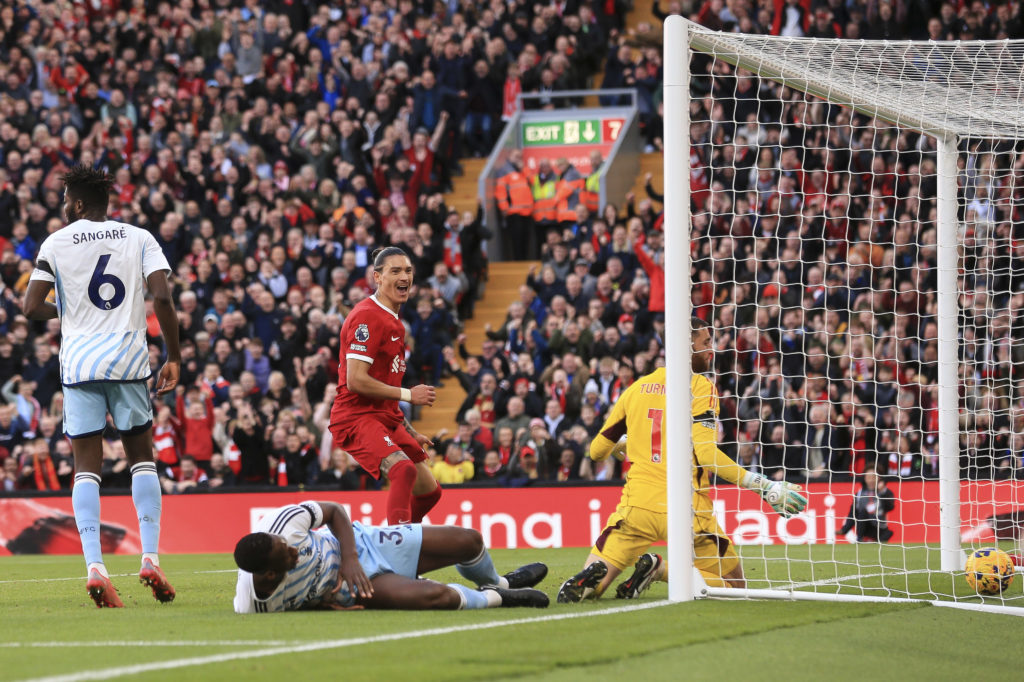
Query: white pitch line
[[145, 643], [55, 580], [108, 673], [844, 578], [112, 575]]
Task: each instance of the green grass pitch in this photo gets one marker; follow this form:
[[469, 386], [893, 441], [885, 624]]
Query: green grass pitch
[[52, 630]]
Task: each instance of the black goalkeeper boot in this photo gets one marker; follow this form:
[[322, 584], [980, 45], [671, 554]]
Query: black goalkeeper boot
[[526, 576]]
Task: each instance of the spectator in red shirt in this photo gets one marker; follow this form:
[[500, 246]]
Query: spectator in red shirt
[[197, 420], [167, 437], [182, 478], [655, 274]]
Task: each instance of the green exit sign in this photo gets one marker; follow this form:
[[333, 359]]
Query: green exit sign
[[562, 133]]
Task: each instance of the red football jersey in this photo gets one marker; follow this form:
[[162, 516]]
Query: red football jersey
[[374, 334]]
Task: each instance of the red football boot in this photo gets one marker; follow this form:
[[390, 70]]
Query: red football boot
[[151, 575], [102, 591]]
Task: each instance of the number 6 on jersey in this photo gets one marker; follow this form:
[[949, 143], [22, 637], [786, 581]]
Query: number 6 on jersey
[[99, 278]]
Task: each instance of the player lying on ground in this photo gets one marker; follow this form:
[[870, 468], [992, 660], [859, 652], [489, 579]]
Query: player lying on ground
[[641, 518], [293, 563]]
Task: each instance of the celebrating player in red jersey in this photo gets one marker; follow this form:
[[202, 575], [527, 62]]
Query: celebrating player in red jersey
[[365, 420]]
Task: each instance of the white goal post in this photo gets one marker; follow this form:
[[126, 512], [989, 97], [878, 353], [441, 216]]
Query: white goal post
[[844, 134]]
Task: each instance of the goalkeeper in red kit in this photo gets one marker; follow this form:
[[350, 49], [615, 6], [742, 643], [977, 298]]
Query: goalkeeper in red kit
[[366, 421]]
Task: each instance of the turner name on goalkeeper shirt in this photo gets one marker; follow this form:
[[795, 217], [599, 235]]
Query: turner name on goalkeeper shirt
[[640, 413]]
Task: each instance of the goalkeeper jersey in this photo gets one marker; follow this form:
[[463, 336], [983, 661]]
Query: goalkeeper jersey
[[640, 413]]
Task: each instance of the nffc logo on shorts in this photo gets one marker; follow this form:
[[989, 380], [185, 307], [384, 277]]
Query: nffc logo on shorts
[[387, 441], [398, 365]]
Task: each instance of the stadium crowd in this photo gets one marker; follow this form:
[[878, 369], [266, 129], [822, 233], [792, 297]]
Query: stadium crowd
[[270, 147]]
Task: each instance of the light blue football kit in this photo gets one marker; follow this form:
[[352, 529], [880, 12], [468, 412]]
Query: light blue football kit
[[381, 549], [99, 271]]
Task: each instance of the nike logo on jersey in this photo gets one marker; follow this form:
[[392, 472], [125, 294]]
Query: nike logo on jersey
[[395, 338]]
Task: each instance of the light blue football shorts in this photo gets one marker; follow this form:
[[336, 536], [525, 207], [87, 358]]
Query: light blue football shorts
[[381, 549], [389, 549], [86, 407]]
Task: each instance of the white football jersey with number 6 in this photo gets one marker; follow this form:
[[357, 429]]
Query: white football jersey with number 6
[[99, 270]]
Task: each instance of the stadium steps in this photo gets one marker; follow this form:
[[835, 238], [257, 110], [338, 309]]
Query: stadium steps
[[642, 10], [441, 415], [595, 84], [653, 164], [463, 195], [501, 289], [504, 278]]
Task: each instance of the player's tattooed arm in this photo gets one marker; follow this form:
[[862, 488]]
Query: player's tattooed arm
[[424, 441]]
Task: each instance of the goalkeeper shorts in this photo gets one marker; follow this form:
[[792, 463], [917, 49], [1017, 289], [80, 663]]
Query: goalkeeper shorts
[[713, 551], [630, 532]]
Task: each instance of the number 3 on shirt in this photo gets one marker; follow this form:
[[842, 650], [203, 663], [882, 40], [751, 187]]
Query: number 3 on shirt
[[99, 278], [657, 418], [390, 536]]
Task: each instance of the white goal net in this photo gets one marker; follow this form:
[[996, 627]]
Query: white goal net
[[857, 243]]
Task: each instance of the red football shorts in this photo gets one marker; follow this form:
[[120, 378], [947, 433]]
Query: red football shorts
[[370, 442]]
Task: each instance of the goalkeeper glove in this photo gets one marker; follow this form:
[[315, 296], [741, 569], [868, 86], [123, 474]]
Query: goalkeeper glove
[[784, 498]]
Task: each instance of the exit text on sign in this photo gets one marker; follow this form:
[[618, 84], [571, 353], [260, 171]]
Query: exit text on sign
[[586, 131]]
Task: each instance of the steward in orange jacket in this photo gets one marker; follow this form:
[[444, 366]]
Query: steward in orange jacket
[[515, 201]]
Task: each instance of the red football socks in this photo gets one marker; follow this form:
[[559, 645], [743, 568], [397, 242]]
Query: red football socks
[[402, 476], [421, 504]]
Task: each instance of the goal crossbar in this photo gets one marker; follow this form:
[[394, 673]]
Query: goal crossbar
[[864, 74]]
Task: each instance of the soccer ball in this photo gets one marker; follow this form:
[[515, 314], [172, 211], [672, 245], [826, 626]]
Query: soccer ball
[[989, 571]]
